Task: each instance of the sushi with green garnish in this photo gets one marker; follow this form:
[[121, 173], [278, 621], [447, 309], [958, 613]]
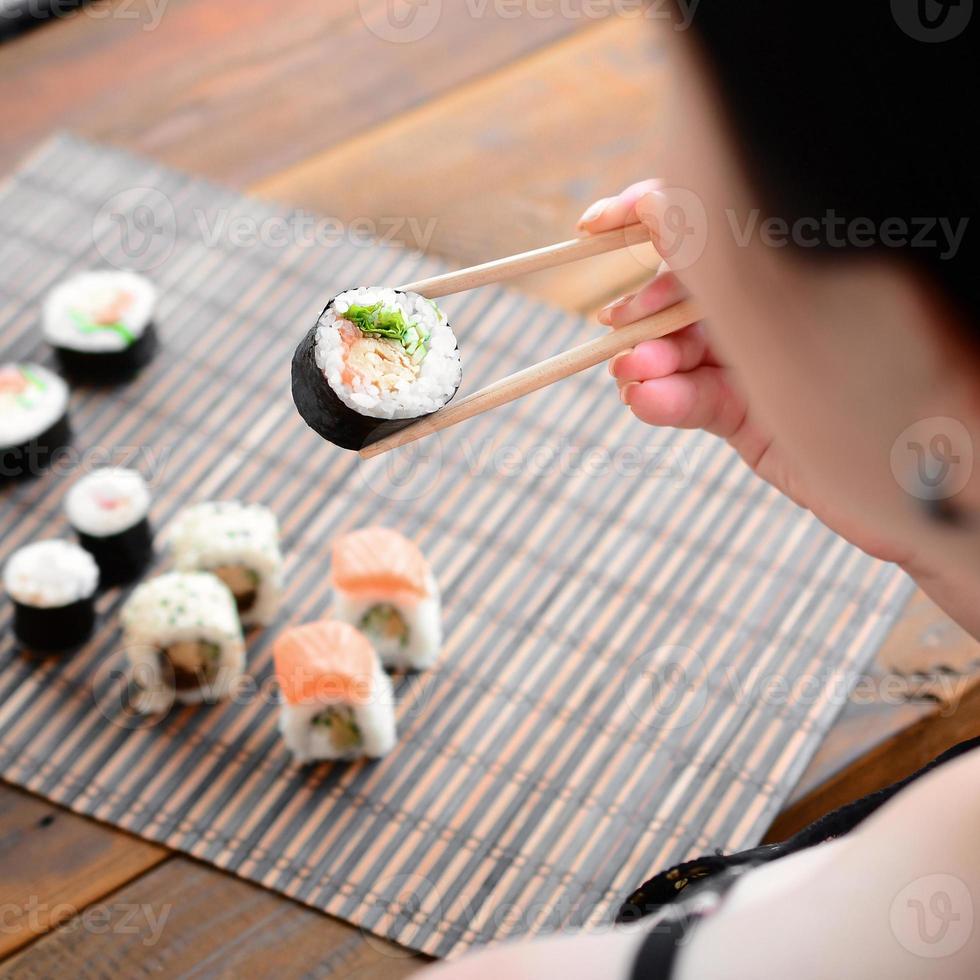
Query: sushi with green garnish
[[33, 419], [376, 360], [100, 325]]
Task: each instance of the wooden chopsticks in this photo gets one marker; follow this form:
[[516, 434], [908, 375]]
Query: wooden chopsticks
[[524, 262], [541, 375], [552, 369]]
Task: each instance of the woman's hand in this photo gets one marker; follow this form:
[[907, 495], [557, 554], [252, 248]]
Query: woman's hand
[[678, 381]]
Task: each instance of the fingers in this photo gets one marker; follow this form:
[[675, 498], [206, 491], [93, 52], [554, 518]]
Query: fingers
[[698, 399], [616, 211], [663, 291], [682, 351]]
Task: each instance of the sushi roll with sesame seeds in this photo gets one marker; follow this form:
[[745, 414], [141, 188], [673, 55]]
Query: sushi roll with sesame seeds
[[385, 587], [52, 585], [101, 325], [376, 360], [108, 508], [239, 543], [337, 702], [183, 640], [33, 419]]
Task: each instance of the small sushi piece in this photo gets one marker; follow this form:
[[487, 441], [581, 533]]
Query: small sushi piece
[[52, 585], [101, 325], [108, 509], [376, 360], [33, 419], [183, 640], [337, 701], [239, 543], [385, 587]]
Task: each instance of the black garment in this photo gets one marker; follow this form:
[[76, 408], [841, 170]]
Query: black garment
[[688, 892], [658, 952]]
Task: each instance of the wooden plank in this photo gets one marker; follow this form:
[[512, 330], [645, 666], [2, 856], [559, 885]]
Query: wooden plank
[[185, 919], [56, 863], [508, 163], [238, 91]]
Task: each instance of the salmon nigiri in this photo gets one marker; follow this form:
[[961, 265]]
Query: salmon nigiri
[[337, 701], [386, 588]]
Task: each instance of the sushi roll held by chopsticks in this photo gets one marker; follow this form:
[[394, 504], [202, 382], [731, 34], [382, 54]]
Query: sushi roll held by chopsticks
[[52, 585], [101, 325], [183, 640], [385, 587], [376, 360], [337, 702]]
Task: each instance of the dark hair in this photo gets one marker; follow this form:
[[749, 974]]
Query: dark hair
[[865, 107]]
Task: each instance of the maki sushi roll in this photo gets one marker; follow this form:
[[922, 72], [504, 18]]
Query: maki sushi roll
[[108, 509], [337, 701], [385, 587], [52, 585], [183, 640], [376, 360], [33, 419], [101, 324], [238, 543]]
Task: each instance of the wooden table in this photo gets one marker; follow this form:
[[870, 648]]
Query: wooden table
[[484, 137]]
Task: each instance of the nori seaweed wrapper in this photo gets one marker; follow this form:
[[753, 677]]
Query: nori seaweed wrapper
[[324, 412], [109, 367], [122, 558], [30, 458], [54, 629]]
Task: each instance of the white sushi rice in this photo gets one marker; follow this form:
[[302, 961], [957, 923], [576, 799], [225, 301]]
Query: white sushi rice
[[222, 533], [423, 619], [375, 716], [32, 399], [74, 311], [440, 371], [107, 501], [50, 574], [181, 607]]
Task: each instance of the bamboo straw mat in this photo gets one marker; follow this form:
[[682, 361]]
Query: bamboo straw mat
[[644, 643]]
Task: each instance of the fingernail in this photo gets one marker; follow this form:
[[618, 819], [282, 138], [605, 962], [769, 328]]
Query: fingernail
[[605, 314], [618, 357], [649, 207], [593, 211], [624, 392]]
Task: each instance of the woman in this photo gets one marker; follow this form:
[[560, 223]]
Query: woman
[[818, 199]]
